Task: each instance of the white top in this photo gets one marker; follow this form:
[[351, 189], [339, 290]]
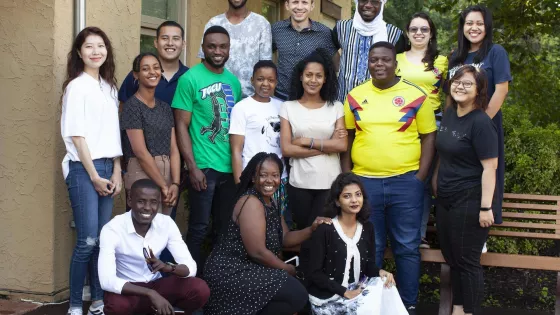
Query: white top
[[317, 172], [121, 256], [90, 109], [250, 41], [259, 123]]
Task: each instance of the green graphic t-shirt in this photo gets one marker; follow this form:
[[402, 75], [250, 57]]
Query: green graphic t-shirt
[[210, 97]]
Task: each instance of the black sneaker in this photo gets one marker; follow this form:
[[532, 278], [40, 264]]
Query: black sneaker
[[411, 310]]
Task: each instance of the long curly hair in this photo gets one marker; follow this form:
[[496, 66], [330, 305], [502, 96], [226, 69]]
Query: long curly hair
[[341, 181], [329, 89], [253, 168], [75, 64], [432, 51]]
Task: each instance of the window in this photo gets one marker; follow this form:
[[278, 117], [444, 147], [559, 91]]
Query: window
[[271, 10], [155, 12]]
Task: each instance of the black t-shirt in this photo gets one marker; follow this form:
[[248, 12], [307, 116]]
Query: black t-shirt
[[462, 142], [156, 123]]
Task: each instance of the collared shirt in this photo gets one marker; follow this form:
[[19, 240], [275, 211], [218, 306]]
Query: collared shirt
[[90, 110], [355, 51], [165, 90], [121, 254], [293, 46]]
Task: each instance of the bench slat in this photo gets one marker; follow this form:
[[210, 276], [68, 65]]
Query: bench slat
[[497, 260], [533, 235], [527, 225], [529, 206], [531, 197], [521, 215]]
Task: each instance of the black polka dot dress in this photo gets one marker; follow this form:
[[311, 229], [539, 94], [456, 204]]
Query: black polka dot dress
[[238, 285]]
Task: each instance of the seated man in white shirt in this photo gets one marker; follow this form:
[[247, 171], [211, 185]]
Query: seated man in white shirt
[[129, 268]]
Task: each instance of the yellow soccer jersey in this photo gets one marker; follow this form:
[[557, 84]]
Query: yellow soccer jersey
[[429, 81], [388, 123]]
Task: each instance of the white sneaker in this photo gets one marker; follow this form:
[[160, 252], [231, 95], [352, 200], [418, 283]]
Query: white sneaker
[[75, 311], [484, 248], [96, 310]]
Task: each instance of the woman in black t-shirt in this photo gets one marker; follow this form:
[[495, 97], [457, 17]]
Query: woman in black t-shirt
[[464, 182], [149, 147]]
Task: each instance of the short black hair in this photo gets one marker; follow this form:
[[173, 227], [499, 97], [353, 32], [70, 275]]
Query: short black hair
[[384, 45], [143, 183], [216, 29], [138, 60], [265, 64], [170, 23], [329, 90]]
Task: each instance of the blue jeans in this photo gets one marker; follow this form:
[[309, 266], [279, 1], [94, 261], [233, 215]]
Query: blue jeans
[[91, 212], [216, 201], [396, 210]]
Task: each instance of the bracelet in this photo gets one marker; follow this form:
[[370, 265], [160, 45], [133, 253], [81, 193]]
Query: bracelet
[[174, 184], [311, 146], [485, 208]]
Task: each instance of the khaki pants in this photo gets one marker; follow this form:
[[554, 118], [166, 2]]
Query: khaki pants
[[135, 172]]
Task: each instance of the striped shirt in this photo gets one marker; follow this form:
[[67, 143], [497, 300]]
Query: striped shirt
[[355, 49], [293, 46]]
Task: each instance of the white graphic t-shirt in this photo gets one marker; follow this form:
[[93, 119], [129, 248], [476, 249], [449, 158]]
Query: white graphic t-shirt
[[260, 124], [250, 41]]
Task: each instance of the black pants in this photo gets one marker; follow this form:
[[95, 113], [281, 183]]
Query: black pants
[[461, 238], [290, 298], [306, 205]]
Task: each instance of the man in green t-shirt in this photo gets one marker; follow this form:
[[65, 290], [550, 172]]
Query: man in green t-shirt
[[202, 104]]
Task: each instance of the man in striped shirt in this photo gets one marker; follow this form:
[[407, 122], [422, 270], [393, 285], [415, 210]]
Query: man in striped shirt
[[356, 36]]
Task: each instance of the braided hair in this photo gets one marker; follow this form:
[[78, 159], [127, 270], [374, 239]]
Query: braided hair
[[253, 168]]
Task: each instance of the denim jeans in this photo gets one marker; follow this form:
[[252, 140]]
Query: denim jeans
[[91, 212], [461, 238], [217, 200], [396, 211]]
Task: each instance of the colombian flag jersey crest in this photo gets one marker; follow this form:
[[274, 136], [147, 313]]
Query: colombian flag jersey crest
[[388, 124]]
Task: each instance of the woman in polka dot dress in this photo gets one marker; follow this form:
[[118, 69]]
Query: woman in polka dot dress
[[244, 272]]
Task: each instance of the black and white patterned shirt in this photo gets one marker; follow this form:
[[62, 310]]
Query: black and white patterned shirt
[[293, 46], [156, 123]]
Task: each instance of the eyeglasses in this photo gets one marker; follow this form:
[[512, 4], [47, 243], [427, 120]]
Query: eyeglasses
[[375, 3], [466, 84], [423, 29]]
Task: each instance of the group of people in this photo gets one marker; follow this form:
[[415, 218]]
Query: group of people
[[338, 147]]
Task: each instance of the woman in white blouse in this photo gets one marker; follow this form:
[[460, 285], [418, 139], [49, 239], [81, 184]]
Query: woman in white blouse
[[91, 167]]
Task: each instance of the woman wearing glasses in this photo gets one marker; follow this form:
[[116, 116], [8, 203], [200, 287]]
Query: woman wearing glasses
[[422, 65], [467, 144]]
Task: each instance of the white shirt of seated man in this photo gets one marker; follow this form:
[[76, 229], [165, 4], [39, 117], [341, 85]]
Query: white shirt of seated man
[[127, 236]]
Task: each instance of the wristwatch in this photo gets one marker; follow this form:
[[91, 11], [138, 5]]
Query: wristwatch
[[173, 266]]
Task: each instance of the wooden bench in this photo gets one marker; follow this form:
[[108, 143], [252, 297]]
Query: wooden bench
[[525, 216]]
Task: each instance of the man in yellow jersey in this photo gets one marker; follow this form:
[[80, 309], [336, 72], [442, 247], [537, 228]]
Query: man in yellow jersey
[[390, 146]]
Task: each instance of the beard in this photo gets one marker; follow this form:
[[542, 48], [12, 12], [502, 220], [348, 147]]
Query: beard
[[211, 62], [237, 6]]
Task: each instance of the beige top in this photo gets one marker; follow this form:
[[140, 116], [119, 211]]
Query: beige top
[[317, 172]]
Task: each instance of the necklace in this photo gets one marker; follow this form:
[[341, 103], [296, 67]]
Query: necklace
[[144, 101]]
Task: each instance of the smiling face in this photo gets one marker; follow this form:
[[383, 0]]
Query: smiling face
[[264, 81], [145, 204], [150, 72], [216, 49], [350, 199], [419, 33], [382, 64], [169, 43], [267, 179], [299, 9], [313, 78], [463, 89], [93, 52], [474, 28], [369, 9]]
